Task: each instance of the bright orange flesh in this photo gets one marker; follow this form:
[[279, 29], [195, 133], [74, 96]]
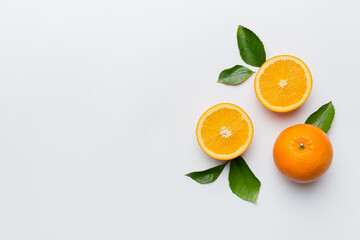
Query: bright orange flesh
[[302, 153], [224, 131], [283, 83]]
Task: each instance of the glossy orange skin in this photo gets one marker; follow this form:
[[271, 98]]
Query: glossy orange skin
[[306, 164]]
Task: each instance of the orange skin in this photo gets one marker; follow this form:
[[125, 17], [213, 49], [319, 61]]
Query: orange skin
[[303, 153]]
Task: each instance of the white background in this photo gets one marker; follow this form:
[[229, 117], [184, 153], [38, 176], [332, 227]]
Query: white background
[[99, 102]]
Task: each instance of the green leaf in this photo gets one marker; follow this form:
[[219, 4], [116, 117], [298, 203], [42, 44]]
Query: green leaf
[[251, 48], [323, 117], [235, 75], [242, 181], [207, 176]]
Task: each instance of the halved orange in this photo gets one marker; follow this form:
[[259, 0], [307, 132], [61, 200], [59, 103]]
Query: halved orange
[[283, 83], [224, 131]]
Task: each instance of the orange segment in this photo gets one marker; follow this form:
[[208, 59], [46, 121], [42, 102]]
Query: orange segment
[[224, 131], [283, 83]]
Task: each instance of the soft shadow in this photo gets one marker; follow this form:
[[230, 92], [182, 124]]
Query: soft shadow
[[294, 114], [301, 186], [297, 114], [206, 158]]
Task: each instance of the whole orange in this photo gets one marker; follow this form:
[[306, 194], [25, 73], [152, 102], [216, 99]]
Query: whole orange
[[303, 153]]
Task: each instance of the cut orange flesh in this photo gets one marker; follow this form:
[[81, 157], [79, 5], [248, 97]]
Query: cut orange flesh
[[283, 83], [224, 131]]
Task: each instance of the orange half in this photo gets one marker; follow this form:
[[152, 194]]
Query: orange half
[[224, 131], [283, 83]]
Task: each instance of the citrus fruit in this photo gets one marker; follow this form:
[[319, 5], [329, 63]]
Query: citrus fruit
[[303, 153], [283, 83], [224, 131]]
